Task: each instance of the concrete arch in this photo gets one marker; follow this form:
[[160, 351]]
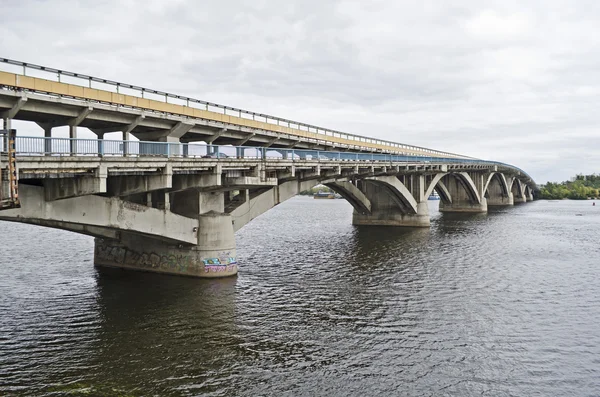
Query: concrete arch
[[501, 178], [518, 191], [436, 179], [443, 192], [262, 200], [467, 182], [353, 195], [397, 192], [517, 188]]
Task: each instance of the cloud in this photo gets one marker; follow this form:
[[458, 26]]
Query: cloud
[[490, 79]]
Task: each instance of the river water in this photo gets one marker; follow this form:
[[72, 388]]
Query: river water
[[503, 304]]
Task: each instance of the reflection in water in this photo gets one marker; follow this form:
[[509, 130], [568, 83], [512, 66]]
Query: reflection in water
[[504, 303]]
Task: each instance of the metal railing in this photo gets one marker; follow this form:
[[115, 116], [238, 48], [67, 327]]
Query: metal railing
[[42, 146], [32, 70]]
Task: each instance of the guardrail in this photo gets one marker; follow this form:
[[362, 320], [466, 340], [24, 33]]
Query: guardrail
[[52, 74], [42, 146]]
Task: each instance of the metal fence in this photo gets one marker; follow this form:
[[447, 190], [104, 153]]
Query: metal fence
[[32, 70], [42, 146]]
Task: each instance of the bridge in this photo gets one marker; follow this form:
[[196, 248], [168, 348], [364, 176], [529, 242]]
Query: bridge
[[187, 174]]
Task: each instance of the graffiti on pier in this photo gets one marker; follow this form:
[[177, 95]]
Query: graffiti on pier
[[170, 262], [117, 255], [224, 263], [219, 268]]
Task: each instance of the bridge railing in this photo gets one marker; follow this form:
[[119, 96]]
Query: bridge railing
[[42, 146], [62, 76]]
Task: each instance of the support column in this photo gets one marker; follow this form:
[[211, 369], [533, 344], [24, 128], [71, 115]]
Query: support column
[[239, 152], [174, 145], [6, 126], [125, 143], [100, 144], [48, 141], [73, 136]]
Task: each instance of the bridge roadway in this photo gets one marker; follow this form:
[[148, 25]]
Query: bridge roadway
[[166, 205]]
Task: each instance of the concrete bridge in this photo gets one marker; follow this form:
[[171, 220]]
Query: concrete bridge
[[160, 202]]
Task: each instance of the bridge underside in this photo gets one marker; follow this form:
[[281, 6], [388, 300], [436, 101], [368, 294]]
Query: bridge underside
[[179, 216]]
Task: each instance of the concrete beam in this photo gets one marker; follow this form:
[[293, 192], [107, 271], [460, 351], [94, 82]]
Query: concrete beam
[[104, 212], [125, 185], [63, 188], [215, 136], [12, 112], [246, 139], [82, 116], [133, 124], [272, 141], [196, 181], [179, 129]]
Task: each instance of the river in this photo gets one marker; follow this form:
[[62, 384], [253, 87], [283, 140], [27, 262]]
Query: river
[[500, 304]]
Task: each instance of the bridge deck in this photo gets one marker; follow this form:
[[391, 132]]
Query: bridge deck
[[188, 109]]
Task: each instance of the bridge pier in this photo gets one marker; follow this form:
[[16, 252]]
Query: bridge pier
[[466, 192], [497, 193], [392, 203], [214, 256]]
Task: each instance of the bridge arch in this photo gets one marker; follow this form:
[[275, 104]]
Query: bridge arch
[[353, 195], [501, 179], [442, 191], [396, 191]]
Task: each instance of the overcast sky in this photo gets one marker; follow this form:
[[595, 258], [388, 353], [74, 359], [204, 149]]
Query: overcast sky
[[512, 81]]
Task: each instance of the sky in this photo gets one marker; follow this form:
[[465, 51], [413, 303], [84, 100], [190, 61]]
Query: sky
[[510, 81]]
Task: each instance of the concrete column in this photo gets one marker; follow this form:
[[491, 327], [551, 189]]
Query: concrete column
[[125, 143], [186, 150], [239, 152], [48, 142], [73, 135], [6, 125], [100, 144], [387, 211], [461, 200], [175, 148]]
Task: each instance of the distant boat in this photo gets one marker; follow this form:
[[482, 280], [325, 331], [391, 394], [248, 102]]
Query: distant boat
[[434, 196], [324, 195]]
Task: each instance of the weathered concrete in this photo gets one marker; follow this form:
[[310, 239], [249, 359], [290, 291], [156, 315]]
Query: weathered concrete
[[466, 190], [263, 200], [179, 215], [392, 204], [203, 260], [498, 193], [105, 212], [518, 191]]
